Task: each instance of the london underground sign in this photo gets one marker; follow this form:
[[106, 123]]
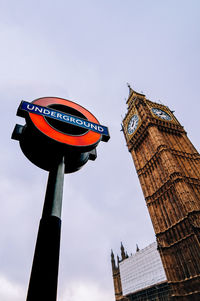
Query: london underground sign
[[48, 112], [56, 108], [56, 125]]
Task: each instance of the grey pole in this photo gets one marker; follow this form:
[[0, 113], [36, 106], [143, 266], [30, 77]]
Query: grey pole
[[44, 274]]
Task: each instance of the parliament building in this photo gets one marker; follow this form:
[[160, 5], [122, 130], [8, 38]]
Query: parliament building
[[140, 276], [168, 167]]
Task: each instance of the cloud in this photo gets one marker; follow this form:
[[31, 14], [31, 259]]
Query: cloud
[[85, 291], [10, 291]]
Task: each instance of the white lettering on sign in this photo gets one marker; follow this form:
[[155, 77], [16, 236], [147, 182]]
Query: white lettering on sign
[[100, 129], [45, 111], [30, 108], [86, 124], [38, 110], [78, 121], [53, 114], [59, 115], [66, 118], [93, 126], [72, 119]]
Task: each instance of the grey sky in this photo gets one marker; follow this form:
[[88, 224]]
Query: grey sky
[[87, 51]]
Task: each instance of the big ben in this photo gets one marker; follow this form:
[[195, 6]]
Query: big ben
[[168, 167]]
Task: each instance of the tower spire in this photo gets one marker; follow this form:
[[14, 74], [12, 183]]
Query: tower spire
[[113, 260], [133, 95], [130, 89], [123, 255], [118, 260]]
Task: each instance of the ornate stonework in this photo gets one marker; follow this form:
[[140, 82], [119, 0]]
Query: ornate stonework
[[168, 167]]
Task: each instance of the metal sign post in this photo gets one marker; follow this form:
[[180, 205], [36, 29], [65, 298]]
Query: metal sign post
[[59, 136], [44, 274]]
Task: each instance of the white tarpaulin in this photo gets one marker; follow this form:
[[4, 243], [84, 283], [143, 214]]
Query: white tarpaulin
[[141, 270]]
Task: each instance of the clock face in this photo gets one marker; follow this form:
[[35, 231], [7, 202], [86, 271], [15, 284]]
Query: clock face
[[161, 114], [132, 125]]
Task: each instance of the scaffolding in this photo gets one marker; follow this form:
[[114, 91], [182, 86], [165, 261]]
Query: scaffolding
[[159, 292]]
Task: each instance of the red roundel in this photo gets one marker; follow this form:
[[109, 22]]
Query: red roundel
[[87, 138]]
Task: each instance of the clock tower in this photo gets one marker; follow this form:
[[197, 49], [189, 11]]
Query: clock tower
[[168, 167]]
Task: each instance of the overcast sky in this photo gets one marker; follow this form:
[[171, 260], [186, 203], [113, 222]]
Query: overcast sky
[[86, 51]]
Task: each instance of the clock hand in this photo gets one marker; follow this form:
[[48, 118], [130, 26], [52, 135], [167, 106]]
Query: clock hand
[[133, 123]]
